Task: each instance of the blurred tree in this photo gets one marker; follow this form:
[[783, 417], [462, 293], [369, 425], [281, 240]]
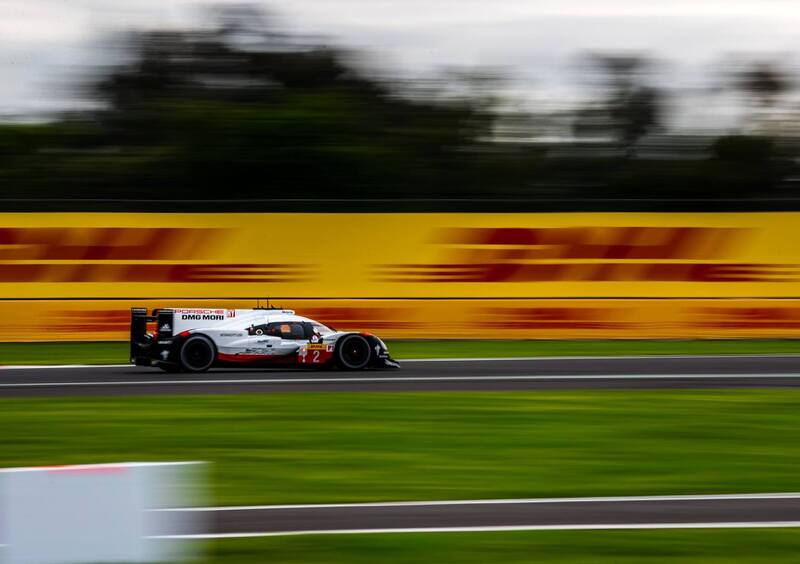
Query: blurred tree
[[764, 82], [265, 117], [629, 108], [239, 110]]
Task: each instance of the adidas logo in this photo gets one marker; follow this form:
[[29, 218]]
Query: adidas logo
[[165, 328]]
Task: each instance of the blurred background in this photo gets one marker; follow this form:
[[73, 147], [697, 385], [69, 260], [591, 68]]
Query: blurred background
[[565, 104], [352, 107], [467, 179]]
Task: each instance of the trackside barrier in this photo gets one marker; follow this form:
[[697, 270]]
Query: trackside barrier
[[98, 512], [73, 276], [109, 320]]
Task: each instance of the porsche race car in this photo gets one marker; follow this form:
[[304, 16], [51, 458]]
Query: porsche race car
[[194, 340]]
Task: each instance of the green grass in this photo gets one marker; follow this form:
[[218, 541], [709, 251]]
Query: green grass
[[282, 448], [755, 546], [64, 353], [456, 349], [305, 448], [115, 352]]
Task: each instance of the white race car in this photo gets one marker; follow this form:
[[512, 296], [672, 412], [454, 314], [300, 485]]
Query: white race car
[[194, 340]]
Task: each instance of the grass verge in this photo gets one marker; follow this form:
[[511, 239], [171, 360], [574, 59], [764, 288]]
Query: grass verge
[[117, 353], [302, 448], [712, 546]]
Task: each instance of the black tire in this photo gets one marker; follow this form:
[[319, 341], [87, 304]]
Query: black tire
[[198, 353], [353, 352]]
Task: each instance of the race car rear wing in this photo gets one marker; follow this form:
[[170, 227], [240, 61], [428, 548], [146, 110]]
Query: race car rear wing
[[141, 342]]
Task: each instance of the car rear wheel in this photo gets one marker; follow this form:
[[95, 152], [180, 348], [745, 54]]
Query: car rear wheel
[[197, 354], [353, 352]]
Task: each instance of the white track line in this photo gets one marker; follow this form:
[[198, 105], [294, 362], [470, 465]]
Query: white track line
[[576, 527], [473, 359], [607, 357], [52, 366], [389, 380], [506, 501], [566, 527]]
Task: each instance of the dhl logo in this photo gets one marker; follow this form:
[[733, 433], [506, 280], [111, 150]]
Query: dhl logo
[[108, 321], [588, 254], [107, 243], [554, 318], [61, 255], [179, 273], [599, 243], [772, 317]]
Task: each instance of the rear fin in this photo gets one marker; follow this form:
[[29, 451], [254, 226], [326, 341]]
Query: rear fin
[[165, 323], [139, 320]]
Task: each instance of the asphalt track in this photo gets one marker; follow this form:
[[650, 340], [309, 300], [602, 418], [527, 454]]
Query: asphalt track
[[711, 511], [654, 372], [658, 372]]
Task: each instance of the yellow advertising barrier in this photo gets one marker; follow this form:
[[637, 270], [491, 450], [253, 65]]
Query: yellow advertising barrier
[[107, 320], [553, 275], [577, 255]]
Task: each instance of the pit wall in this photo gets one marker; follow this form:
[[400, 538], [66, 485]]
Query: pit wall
[[551, 276]]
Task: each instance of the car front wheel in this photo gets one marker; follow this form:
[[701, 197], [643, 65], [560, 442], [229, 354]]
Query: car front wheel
[[353, 352]]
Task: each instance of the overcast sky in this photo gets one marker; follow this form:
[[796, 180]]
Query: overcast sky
[[47, 44]]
